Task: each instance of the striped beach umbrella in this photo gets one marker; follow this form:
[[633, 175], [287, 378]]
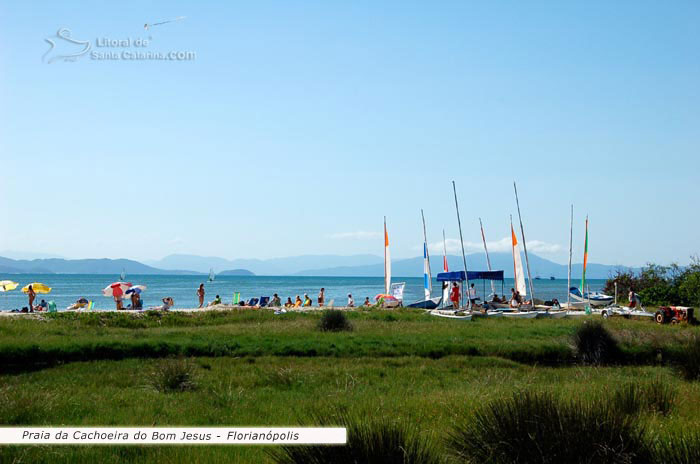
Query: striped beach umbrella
[[116, 289]]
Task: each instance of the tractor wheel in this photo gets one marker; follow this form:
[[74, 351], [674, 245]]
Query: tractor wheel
[[659, 317]]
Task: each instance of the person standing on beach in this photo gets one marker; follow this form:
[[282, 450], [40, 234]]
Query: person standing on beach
[[472, 294], [31, 294], [454, 295], [200, 294], [351, 301], [321, 296]]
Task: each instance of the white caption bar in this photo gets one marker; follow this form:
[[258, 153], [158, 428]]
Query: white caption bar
[[173, 435]]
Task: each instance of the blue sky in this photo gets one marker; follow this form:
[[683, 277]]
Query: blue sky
[[299, 125]]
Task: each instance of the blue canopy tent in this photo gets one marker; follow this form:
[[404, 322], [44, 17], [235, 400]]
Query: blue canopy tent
[[460, 276]]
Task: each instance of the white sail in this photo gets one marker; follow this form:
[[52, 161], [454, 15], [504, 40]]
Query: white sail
[[122, 276], [212, 276], [519, 276], [387, 262]]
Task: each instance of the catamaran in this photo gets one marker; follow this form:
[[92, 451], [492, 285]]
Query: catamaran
[[387, 299], [428, 302], [581, 296]]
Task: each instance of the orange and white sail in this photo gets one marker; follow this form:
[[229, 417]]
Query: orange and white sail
[[387, 261], [518, 275]]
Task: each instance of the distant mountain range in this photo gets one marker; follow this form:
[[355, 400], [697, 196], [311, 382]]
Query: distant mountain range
[[274, 266], [413, 267], [80, 266], [307, 265]]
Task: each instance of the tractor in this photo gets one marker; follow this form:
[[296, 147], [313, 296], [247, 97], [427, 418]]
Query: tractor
[[674, 315]]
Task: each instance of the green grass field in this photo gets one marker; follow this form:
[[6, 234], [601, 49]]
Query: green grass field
[[254, 368]]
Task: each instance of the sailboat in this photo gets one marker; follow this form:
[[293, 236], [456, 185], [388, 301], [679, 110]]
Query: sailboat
[[122, 276], [212, 276], [388, 300], [518, 279], [457, 314], [428, 302], [581, 296]]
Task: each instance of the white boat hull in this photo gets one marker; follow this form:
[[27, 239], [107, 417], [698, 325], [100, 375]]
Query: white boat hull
[[520, 315], [450, 314]]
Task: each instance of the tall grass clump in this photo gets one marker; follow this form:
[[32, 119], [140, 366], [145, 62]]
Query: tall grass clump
[[173, 375], [681, 447], [594, 344], [333, 320], [368, 442], [660, 397], [688, 361], [538, 428], [634, 398]]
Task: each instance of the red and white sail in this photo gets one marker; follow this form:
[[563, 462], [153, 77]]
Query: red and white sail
[[518, 274]]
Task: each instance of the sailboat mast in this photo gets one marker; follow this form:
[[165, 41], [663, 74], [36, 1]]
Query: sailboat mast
[[571, 242], [527, 260], [445, 267], [585, 262], [488, 260], [464, 256], [386, 287], [429, 278]]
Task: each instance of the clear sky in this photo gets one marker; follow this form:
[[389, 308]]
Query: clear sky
[[299, 125]]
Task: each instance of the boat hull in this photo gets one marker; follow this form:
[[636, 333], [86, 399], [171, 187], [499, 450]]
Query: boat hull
[[520, 315], [450, 315], [431, 303]]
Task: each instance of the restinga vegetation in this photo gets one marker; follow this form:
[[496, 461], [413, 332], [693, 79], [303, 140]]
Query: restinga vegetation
[[659, 285]]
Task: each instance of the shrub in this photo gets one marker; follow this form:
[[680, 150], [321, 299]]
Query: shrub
[[688, 360], [594, 344], [679, 448], [369, 442], [173, 375], [333, 320], [537, 428]]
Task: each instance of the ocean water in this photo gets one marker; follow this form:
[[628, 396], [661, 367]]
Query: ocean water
[[67, 288]]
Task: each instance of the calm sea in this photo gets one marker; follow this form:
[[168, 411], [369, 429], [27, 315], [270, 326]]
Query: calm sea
[[66, 288]]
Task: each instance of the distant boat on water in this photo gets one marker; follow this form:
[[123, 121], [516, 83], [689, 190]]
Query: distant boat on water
[[552, 278], [122, 276], [212, 276]]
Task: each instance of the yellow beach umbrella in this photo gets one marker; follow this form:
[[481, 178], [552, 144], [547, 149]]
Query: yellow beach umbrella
[[7, 285], [37, 287]]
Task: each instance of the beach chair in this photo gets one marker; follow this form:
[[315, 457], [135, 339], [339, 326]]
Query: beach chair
[[52, 307], [252, 302], [330, 304], [236, 298], [90, 306], [264, 300]]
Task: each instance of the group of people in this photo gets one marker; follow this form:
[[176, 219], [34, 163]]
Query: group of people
[[276, 301]]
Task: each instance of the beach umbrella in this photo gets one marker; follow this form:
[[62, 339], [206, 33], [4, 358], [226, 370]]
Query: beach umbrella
[[135, 289], [116, 289], [384, 296], [7, 285], [38, 287]]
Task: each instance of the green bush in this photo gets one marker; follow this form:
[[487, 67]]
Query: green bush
[[594, 344], [634, 398], [333, 320], [537, 428], [368, 442]]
